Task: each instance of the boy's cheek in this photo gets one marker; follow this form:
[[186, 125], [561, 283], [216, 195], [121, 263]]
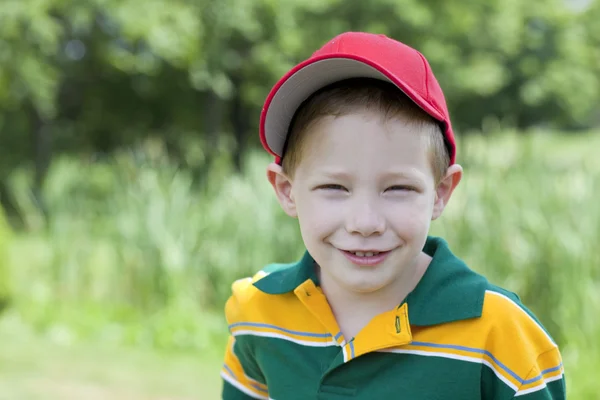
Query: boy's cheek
[[409, 220], [320, 216]]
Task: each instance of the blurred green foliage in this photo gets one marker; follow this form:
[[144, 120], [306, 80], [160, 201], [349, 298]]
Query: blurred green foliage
[[5, 237], [90, 76], [134, 254]]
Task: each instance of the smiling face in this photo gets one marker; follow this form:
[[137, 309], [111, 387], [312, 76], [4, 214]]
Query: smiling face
[[364, 196], [362, 181]]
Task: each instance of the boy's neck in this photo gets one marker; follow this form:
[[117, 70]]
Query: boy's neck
[[353, 311]]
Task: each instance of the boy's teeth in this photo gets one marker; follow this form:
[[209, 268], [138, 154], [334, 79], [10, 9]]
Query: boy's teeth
[[367, 254]]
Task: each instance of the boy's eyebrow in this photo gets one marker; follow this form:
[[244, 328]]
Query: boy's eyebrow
[[403, 175], [393, 174], [333, 174]]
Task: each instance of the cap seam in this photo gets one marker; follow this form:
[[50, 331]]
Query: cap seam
[[426, 77], [447, 122], [338, 44], [427, 86]]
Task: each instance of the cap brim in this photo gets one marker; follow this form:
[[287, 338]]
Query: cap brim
[[306, 79]]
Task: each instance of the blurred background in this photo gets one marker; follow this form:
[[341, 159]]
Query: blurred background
[[133, 191]]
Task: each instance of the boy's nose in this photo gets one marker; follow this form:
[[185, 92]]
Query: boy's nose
[[366, 221]]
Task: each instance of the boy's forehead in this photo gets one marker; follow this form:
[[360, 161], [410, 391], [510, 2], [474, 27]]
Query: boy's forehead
[[346, 142], [365, 133]]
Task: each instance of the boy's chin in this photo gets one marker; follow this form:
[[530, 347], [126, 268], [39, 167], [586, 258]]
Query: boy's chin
[[366, 288]]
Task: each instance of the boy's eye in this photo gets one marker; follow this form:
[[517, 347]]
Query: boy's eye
[[401, 188], [332, 186]]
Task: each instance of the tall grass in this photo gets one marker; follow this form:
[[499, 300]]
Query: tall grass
[[133, 252], [4, 272], [527, 217]]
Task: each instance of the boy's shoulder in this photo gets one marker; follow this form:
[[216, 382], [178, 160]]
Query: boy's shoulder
[[505, 316], [253, 295], [494, 327], [506, 302], [514, 344], [505, 309]]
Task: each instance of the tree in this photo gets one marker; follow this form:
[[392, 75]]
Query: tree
[[91, 76]]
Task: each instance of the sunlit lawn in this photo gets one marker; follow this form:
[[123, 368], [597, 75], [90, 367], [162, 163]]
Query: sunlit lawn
[[32, 368]]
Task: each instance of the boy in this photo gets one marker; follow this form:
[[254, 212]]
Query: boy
[[376, 308]]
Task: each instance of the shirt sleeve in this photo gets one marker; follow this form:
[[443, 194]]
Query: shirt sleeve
[[546, 380], [242, 377], [239, 374]]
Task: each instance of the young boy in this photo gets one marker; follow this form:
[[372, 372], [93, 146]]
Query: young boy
[[376, 308]]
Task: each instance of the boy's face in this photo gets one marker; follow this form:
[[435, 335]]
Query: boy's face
[[367, 186]]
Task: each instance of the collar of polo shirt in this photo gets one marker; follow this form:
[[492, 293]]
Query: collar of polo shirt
[[449, 290]]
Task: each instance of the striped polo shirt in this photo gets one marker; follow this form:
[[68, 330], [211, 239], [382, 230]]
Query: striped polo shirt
[[455, 336]]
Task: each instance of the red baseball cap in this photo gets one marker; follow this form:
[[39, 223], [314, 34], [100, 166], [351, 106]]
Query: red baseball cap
[[353, 55]]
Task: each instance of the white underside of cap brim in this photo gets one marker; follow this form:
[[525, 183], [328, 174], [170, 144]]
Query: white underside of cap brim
[[301, 85]]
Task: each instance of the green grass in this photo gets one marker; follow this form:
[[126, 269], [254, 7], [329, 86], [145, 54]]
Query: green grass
[[35, 368]]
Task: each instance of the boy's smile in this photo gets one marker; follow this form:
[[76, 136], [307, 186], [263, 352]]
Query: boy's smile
[[366, 258], [364, 194]]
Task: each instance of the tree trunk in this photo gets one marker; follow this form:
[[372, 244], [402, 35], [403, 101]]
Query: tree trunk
[[42, 155], [212, 127], [239, 121]]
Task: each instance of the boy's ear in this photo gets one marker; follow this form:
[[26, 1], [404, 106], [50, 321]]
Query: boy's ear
[[282, 185], [445, 188]]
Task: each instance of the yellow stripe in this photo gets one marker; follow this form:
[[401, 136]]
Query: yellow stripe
[[549, 361], [275, 331], [235, 370], [548, 366], [249, 309], [316, 303], [385, 330], [505, 336]]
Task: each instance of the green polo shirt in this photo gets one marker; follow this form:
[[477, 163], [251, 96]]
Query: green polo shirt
[[455, 336]]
